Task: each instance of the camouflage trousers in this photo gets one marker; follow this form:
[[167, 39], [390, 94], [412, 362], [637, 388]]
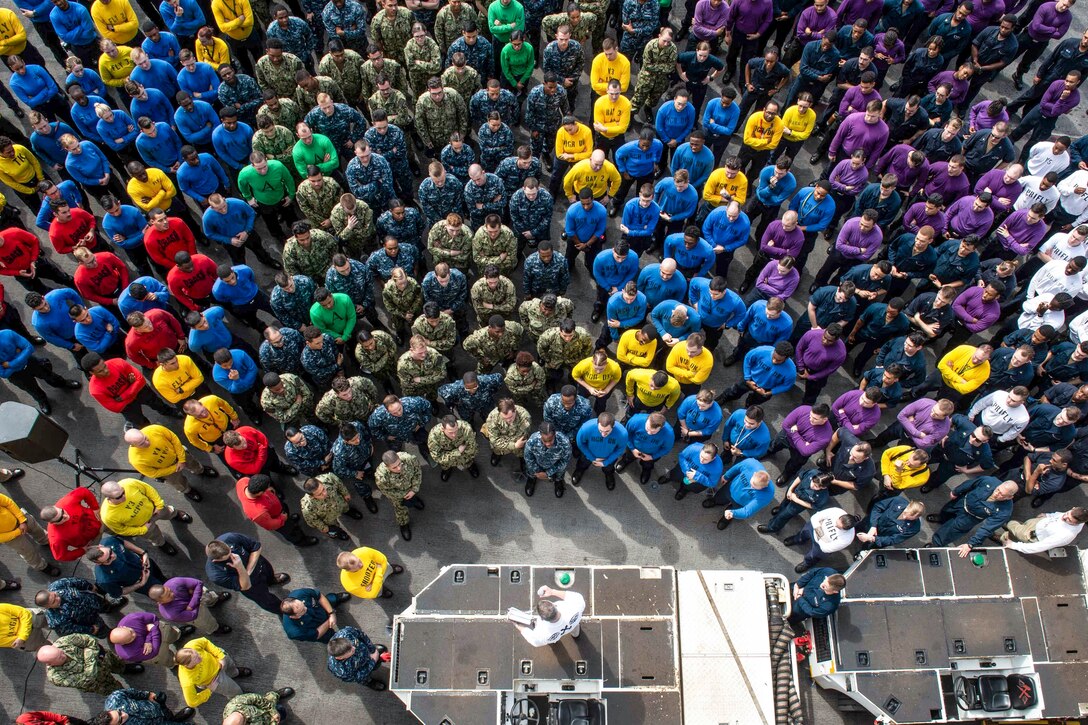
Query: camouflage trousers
[[648, 89]]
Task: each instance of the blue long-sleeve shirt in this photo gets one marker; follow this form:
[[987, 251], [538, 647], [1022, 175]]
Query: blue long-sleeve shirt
[[15, 350], [699, 421], [247, 373], [90, 82], [640, 221], [207, 177], [233, 147], [761, 370], [121, 127], [723, 232], [609, 273], [193, 125], [630, 314], [185, 24], [69, 192], [201, 80], [657, 289], [752, 442], [815, 602], [813, 215], [679, 205], [654, 445], [127, 303], [662, 313], [774, 195], [48, 148], [35, 87], [85, 119], [167, 48], [673, 125], [161, 75], [699, 165], [163, 151], [74, 25], [890, 529], [608, 448], [699, 258], [706, 475], [586, 224], [39, 9], [241, 292], [95, 336], [763, 329], [637, 163], [89, 166], [749, 501], [727, 311], [56, 326], [719, 120], [239, 217], [130, 224], [216, 336], [156, 107]]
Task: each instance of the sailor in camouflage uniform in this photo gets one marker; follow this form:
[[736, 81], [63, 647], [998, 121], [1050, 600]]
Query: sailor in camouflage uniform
[[496, 344], [80, 662], [398, 477], [531, 210], [283, 111], [658, 62], [543, 313], [77, 610], [308, 89], [545, 270], [405, 223], [561, 348], [350, 399], [484, 195], [339, 121], [582, 25], [353, 657], [644, 18], [495, 243], [403, 300], [472, 395], [439, 112], [450, 21], [240, 93], [437, 328], [353, 224], [349, 17], [294, 33], [308, 252], [496, 143], [564, 58], [326, 500], [495, 99], [276, 70], [545, 107], [546, 457], [351, 459], [141, 709], [453, 444], [292, 298], [477, 49], [390, 142], [378, 65], [281, 350], [450, 242], [525, 380], [567, 410], [391, 29], [286, 399], [507, 430], [421, 369], [321, 358], [493, 294], [440, 195], [308, 449], [391, 254], [398, 420], [535, 12], [258, 709], [353, 278], [275, 142], [515, 169], [376, 353], [422, 59], [457, 156], [369, 176], [345, 68], [316, 196], [399, 107], [461, 77]]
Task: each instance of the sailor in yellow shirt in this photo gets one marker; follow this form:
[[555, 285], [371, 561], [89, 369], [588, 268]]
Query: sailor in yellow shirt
[[177, 378], [610, 64], [133, 508], [115, 64], [902, 467], [597, 174], [573, 143], [13, 37], [690, 363], [637, 348], [598, 375], [650, 391], [363, 572], [115, 20], [21, 171], [797, 124], [206, 420], [210, 49], [21, 628], [203, 669], [762, 132], [149, 188], [726, 183], [156, 452], [235, 20], [964, 369], [24, 534], [611, 118]]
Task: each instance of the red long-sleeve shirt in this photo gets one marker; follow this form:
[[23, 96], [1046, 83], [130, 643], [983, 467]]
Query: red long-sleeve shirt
[[19, 250], [119, 388], [251, 459], [162, 246], [142, 348], [105, 281], [193, 288], [67, 541], [265, 510], [66, 236]]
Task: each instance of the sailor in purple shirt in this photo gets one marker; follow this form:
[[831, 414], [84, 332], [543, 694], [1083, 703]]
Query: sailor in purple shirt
[[1003, 185], [985, 114], [858, 240], [708, 19], [1021, 233], [925, 422], [858, 410], [1061, 97], [970, 215], [848, 179], [985, 13], [805, 431], [815, 22], [1050, 22], [977, 308], [926, 213], [888, 50], [818, 355], [909, 166], [778, 278], [184, 600], [948, 179], [745, 24], [866, 131], [959, 80], [141, 637], [857, 97], [783, 238]]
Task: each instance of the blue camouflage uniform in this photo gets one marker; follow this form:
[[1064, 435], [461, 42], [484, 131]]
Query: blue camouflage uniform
[[566, 421], [481, 104], [538, 278], [513, 176], [372, 183], [297, 39], [530, 216], [409, 229], [452, 296], [477, 55], [970, 509], [321, 364], [564, 63], [456, 163], [383, 424], [293, 308], [469, 404], [80, 609], [284, 359], [553, 461], [245, 92], [438, 201], [817, 499], [358, 667], [382, 264], [492, 195], [393, 148], [338, 126], [543, 114], [494, 146], [347, 460], [141, 710], [310, 458], [351, 18], [358, 284]]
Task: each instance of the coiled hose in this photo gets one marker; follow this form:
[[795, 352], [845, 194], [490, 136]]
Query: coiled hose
[[787, 703]]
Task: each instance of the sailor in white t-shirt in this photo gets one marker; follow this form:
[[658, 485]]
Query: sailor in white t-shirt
[[1046, 532], [828, 531], [554, 619]]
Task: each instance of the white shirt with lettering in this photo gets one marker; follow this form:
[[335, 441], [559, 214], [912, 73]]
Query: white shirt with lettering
[[544, 633], [828, 536]]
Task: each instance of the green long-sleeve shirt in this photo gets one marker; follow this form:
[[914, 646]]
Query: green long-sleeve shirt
[[339, 320], [518, 65], [315, 154], [511, 17], [272, 188]]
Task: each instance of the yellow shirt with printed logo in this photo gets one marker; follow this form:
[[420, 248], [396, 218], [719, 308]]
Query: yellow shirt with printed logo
[[718, 183], [579, 144], [615, 117], [603, 70]]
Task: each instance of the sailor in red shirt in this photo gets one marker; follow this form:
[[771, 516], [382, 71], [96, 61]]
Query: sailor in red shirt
[[165, 236], [100, 277], [262, 506], [151, 332], [247, 453], [73, 524], [20, 258], [71, 228], [192, 279], [120, 388]]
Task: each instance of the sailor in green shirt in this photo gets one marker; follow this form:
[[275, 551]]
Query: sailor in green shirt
[[269, 188], [313, 149], [503, 18], [518, 60], [333, 313]]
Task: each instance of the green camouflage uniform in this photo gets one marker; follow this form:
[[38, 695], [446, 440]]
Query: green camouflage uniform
[[322, 513], [278, 78], [444, 450], [397, 107], [308, 100], [402, 304], [310, 262], [441, 337], [440, 244], [382, 360], [293, 406], [653, 76], [431, 371], [279, 146], [395, 485], [490, 351], [391, 68], [555, 352], [486, 250], [316, 204], [581, 32], [465, 83], [503, 436], [528, 389], [256, 709], [89, 668], [423, 63], [534, 319], [435, 123], [390, 34], [332, 410], [360, 239], [596, 9], [289, 114], [349, 76], [503, 299], [448, 27]]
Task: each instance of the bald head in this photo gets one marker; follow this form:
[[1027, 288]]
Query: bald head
[[668, 265], [136, 437], [112, 489], [1006, 491], [51, 656]]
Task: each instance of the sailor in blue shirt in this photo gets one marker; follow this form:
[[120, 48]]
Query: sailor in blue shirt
[[745, 490], [807, 492], [638, 161], [45, 141], [815, 209], [119, 567], [98, 330], [694, 256], [698, 417], [160, 44], [89, 80], [88, 166], [207, 332], [83, 115], [890, 522], [124, 225], [626, 309], [816, 594], [226, 220], [117, 130], [698, 468], [143, 294], [828, 305], [649, 438], [304, 613], [674, 121], [600, 443], [195, 121], [235, 372], [718, 306], [233, 141], [584, 228], [984, 502], [74, 26], [183, 26], [200, 176], [612, 272], [745, 434], [678, 200], [727, 229], [158, 145], [905, 351], [220, 571], [201, 82], [661, 282], [775, 185], [765, 323], [152, 73], [52, 321], [66, 191], [670, 322], [720, 120], [153, 104], [695, 157], [640, 218], [768, 371]]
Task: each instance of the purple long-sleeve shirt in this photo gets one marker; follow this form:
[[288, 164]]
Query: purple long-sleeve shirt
[[964, 220], [749, 16], [777, 242], [1053, 105], [187, 593], [856, 100], [908, 177], [851, 414], [1048, 23], [948, 186], [845, 175], [773, 284], [854, 133], [980, 119], [1023, 237], [916, 218], [959, 87], [917, 420], [819, 23], [851, 10], [897, 52], [975, 313], [138, 622], [808, 438], [708, 19], [994, 182], [853, 243], [986, 12], [818, 359]]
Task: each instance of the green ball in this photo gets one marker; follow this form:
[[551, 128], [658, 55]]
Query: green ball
[[978, 559], [564, 578]]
